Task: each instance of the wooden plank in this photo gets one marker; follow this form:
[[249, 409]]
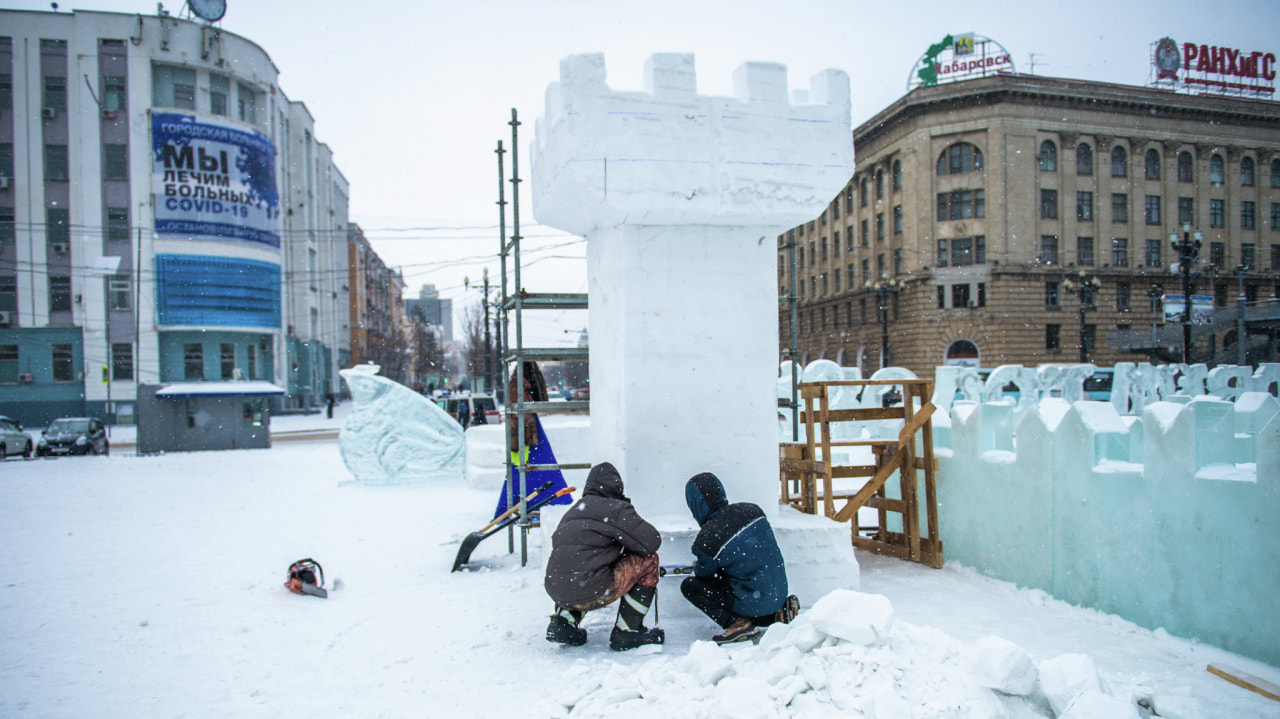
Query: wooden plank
[[1248, 681], [872, 545], [871, 486], [799, 465], [887, 503], [857, 470]]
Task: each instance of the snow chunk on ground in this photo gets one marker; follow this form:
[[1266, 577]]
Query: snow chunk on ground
[[1093, 704], [1004, 666], [853, 616], [394, 435], [1169, 706], [1065, 677]]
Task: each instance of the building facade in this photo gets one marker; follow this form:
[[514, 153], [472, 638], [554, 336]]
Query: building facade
[[166, 214], [377, 316], [982, 212]]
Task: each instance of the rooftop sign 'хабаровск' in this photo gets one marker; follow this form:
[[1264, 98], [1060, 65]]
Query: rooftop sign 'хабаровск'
[[960, 57]]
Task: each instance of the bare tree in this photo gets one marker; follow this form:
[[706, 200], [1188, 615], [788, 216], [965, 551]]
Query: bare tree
[[473, 349]]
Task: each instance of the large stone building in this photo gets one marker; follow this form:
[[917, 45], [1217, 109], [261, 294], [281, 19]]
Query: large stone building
[[166, 214], [980, 207]]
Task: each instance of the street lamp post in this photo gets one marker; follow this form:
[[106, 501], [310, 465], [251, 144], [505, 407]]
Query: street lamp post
[[884, 288], [1154, 292], [1240, 273], [1087, 289], [1188, 250]]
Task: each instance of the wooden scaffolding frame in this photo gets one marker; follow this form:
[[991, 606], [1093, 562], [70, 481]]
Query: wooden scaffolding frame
[[807, 471]]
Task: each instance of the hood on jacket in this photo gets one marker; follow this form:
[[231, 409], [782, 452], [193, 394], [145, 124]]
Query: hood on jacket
[[604, 481], [705, 495]]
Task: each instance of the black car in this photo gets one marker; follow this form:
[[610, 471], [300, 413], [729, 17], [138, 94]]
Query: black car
[[73, 435]]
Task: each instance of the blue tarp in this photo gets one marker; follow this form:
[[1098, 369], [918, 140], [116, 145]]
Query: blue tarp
[[541, 454]]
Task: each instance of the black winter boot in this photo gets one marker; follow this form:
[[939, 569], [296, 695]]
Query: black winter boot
[[564, 628], [629, 631]]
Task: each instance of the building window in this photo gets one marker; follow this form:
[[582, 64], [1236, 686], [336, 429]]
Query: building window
[[117, 224], [118, 292], [1119, 207], [1152, 210], [1051, 336], [121, 361], [113, 92], [1275, 173], [1084, 251], [1084, 205], [879, 225], [55, 92], [311, 258], [835, 209], [1049, 204], [980, 249], [880, 265], [959, 158], [1049, 249], [1048, 157], [1218, 254], [848, 200], [193, 361], [1248, 215], [253, 361], [1217, 213], [862, 311], [1246, 171], [962, 204], [6, 91], [227, 357], [9, 290], [59, 293], [58, 224], [63, 363], [1248, 255], [897, 174], [866, 232], [982, 294], [8, 224], [1186, 211], [851, 276], [1152, 167], [959, 295], [6, 159], [941, 259], [55, 163], [247, 103], [1217, 169], [1087, 336], [1275, 216], [1153, 253], [879, 184], [836, 281], [866, 272], [863, 191], [942, 297], [1119, 162], [173, 87], [824, 249], [1275, 258], [849, 239], [962, 251], [1084, 159], [1122, 296], [8, 364], [115, 162], [219, 94], [897, 219], [1186, 170], [1119, 252]]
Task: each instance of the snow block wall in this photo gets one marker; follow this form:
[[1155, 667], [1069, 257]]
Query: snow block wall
[[681, 197], [1170, 519]]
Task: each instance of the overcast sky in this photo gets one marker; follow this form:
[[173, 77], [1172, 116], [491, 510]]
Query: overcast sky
[[413, 96]]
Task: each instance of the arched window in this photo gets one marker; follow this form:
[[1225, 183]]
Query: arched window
[[1275, 173], [960, 157], [1048, 156], [1084, 159], [1119, 162], [1186, 170], [1217, 169], [963, 353], [1153, 164], [1246, 171], [897, 174]]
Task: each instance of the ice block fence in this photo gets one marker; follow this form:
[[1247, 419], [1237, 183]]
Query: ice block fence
[[681, 198]]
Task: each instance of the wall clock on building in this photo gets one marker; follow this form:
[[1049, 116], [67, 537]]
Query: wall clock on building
[[211, 10]]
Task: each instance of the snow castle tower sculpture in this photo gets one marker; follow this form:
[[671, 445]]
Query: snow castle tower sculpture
[[681, 198]]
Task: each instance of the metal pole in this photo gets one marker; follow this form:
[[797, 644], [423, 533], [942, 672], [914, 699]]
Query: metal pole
[[1240, 353], [882, 297], [488, 345], [795, 340], [1084, 345], [519, 353], [502, 259]]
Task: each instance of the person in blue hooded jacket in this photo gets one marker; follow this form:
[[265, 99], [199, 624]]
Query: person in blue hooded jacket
[[739, 577]]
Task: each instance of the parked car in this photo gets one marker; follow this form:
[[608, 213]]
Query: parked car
[[73, 435], [13, 440], [479, 405]]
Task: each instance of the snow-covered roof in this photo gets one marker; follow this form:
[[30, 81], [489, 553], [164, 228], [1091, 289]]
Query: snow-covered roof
[[220, 389]]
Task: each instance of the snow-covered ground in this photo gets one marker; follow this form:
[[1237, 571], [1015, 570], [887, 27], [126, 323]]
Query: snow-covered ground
[[152, 586]]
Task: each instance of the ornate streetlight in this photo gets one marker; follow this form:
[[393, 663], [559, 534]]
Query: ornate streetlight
[[1188, 250], [1087, 288], [884, 288]]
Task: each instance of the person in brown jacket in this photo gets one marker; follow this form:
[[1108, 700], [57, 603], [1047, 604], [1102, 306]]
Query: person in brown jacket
[[602, 551]]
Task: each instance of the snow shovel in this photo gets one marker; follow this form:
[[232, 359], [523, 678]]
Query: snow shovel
[[501, 522]]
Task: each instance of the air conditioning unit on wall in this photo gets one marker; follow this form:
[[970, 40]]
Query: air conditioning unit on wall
[[4, 318], [60, 248], [108, 114], [4, 183], [50, 113]]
